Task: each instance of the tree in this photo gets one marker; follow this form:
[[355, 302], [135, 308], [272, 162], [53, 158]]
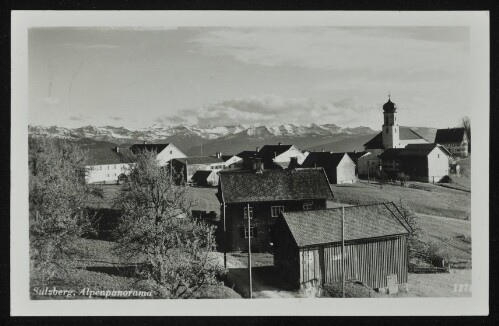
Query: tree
[[57, 205], [415, 241], [157, 225], [403, 178], [466, 124]]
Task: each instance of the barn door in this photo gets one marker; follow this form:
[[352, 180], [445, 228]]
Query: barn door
[[310, 266]]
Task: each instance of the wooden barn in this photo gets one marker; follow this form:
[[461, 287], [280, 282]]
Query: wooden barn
[[339, 167], [307, 247], [261, 195]]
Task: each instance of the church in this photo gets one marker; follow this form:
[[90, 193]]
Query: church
[[399, 149]]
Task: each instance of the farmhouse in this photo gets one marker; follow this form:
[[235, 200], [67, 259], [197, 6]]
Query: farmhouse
[[422, 162], [454, 139], [307, 247], [262, 195], [232, 162], [189, 165], [107, 165], [165, 152], [280, 156], [339, 167]]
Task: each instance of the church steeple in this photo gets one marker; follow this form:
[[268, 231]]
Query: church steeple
[[391, 138]]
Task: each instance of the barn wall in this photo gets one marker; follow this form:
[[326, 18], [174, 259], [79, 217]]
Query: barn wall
[[345, 171], [309, 265], [170, 152], [438, 165], [106, 173], [369, 262]]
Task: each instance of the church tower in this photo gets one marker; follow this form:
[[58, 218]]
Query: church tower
[[390, 137]]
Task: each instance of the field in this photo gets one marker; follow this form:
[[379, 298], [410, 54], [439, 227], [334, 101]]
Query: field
[[443, 216], [424, 198]]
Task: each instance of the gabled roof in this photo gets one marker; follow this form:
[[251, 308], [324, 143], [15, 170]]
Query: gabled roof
[[405, 133], [225, 158], [356, 155], [109, 156], [322, 159], [412, 150], [158, 148], [201, 176], [268, 152], [451, 135], [272, 185], [361, 222], [247, 154], [200, 160]]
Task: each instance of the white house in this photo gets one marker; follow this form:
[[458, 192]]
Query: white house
[[339, 167], [279, 156], [421, 162], [165, 152], [106, 165]]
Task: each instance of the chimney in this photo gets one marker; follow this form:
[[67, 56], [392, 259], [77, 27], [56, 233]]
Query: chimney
[[258, 149], [355, 151], [323, 149], [219, 154], [257, 165], [279, 144], [118, 149], [144, 142]]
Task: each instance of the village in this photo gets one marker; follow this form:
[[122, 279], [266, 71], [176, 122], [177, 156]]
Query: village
[[297, 223]]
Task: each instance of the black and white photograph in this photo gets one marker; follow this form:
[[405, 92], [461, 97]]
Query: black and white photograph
[[225, 159]]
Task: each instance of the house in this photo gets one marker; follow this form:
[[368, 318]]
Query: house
[[107, 165], [454, 139], [248, 158], [279, 156], [339, 167], [422, 162], [165, 152], [232, 162], [262, 195], [205, 178], [307, 246], [355, 156], [368, 165], [189, 165]]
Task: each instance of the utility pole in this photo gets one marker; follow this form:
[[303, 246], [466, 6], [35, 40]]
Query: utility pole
[[225, 237], [343, 249], [249, 253]]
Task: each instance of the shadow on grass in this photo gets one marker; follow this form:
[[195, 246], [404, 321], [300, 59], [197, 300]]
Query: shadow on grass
[[119, 270], [264, 279]]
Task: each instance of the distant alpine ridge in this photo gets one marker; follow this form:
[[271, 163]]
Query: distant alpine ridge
[[157, 133]]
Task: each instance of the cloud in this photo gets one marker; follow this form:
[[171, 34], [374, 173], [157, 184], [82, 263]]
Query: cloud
[[376, 49], [271, 109], [79, 117], [81, 46]]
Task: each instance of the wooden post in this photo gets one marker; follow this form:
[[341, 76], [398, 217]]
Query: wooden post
[[249, 253], [343, 249], [225, 237]]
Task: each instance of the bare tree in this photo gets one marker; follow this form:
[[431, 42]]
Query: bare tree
[[466, 124], [57, 204], [157, 226]]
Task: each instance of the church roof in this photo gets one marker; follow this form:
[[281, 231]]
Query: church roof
[[451, 135], [405, 133], [389, 107]]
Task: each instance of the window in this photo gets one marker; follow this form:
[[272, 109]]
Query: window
[[108, 167], [115, 174], [308, 206], [276, 210], [171, 152], [246, 212], [252, 232], [107, 175]]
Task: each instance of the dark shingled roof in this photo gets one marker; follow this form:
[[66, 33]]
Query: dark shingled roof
[[406, 133], [200, 160], [247, 154], [412, 150], [201, 176], [270, 185], [158, 148], [322, 159], [361, 222], [225, 158], [109, 156], [356, 155], [269, 152], [452, 135]]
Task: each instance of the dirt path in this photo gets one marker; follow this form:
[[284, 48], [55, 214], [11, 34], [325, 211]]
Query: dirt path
[[238, 277]]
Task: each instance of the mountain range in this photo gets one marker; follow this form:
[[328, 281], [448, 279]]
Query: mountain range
[[206, 140]]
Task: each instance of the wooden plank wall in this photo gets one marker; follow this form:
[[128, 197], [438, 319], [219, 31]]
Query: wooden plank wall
[[368, 262]]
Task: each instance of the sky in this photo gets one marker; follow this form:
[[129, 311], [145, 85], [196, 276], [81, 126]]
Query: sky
[[137, 78]]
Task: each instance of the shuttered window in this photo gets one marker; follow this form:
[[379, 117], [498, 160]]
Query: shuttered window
[[246, 212], [276, 210], [252, 232]]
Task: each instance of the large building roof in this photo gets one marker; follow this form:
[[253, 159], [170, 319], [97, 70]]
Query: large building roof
[[109, 156], [158, 148], [405, 133], [273, 185], [361, 222], [412, 150], [322, 159], [451, 135], [200, 160]]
